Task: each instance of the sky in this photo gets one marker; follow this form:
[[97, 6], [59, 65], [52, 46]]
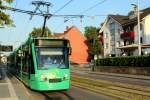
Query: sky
[[23, 25]]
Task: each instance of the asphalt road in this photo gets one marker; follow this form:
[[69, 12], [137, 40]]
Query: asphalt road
[[21, 92], [112, 78]]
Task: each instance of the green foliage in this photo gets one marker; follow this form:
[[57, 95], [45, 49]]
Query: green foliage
[[5, 18], [8, 1], [134, 61], [37, 32], [90, 32], [94, 43]]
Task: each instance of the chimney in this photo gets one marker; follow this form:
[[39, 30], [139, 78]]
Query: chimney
[[67, 27]]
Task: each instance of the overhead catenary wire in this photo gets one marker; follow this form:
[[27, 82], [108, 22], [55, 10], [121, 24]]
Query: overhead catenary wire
[[63, 6], [81, 16], [93, 6], [53, 15]]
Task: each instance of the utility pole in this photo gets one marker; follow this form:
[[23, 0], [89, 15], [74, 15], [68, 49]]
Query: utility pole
[[138, 22], [137, 10]]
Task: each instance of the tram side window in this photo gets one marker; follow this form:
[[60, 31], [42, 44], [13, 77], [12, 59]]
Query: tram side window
[[25, 62], [31, 64], [18, 64]]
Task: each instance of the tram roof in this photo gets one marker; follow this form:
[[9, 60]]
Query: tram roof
[[63, 38]]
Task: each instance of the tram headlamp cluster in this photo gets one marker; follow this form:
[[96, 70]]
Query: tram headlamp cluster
[[52, 76], [43, 77], [66, 76]]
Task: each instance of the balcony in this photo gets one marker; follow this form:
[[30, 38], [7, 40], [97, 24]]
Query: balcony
[[127, 35]]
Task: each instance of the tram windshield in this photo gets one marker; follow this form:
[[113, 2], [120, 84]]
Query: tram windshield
[[48, 58]]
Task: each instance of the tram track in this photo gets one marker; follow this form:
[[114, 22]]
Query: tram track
[[48, 95], [74, 93], [120, 78], [88, 71], [57, 95], [121, 75], [115, 89]]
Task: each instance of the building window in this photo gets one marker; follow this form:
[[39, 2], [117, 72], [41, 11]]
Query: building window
[[112, 31], [105, 35], [117, 44], [112, 25], [141, 40], [120, 31], [141, 27], [124, 43], [112, 39], [112, 28], [106, 46]]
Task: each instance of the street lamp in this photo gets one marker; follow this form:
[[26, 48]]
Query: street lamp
[[138, 25]]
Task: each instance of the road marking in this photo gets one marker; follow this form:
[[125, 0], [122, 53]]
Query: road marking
[[22, 85], [4, 83], [12, 98]]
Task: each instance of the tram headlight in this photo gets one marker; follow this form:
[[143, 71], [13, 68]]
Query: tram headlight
[[65, 76], [43, 77]]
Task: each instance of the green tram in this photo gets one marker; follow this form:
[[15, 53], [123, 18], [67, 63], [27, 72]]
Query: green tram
[[43, 63]]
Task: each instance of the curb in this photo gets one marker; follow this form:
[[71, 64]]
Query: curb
[[122, 75]]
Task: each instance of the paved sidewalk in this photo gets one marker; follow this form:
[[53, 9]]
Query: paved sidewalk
[[7, 91], [10, 89]]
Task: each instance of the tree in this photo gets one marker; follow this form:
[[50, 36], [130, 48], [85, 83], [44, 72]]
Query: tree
[[5, 18], [37, 32], [94, 43]]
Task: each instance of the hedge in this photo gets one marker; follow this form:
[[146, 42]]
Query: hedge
[[134, 61]]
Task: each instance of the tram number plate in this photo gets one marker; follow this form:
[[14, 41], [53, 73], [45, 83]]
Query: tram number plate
[[55, 80]]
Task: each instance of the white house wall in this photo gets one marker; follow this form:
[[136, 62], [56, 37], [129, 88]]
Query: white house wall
[[136, 35], [118, 32], [146, 23], [147, 28], [107, 40]]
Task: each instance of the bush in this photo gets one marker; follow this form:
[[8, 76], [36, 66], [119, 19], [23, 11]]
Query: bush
[[134, 61]]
